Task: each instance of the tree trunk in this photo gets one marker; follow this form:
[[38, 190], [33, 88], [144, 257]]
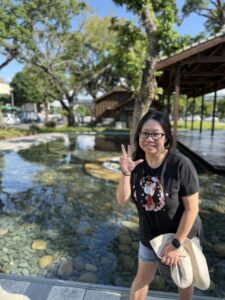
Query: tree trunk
[[46, 111], [148, 82], [70, 118], [69, 111]]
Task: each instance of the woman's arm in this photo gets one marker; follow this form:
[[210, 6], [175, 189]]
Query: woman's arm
[[123, 190], [191, 208], [127, 165]]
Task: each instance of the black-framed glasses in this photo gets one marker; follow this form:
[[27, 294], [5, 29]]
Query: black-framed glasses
[[154, 135]]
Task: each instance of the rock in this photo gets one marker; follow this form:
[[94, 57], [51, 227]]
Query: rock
[[39, 245], [108, 206], [88, 277], [128, 263], [45, 261], [220, 249], [158, 283], [130, 225], [78, 264], [124, 248], [124, 238], [65, 269], [212, 286], [105, 260], [84, 228], [90, 267], [3, 231]]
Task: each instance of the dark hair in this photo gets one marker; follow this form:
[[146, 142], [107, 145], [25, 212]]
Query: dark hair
[[163, 119]]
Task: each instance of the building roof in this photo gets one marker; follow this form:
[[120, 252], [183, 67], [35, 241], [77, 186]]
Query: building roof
[[114, 90], [201, 67], [5, 88]]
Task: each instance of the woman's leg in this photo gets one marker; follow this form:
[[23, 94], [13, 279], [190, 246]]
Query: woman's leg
[[145, 274], [186, 294]]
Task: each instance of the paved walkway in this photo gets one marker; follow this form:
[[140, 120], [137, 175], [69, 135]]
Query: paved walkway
[[34, 288], [211, 150], [25, 142]]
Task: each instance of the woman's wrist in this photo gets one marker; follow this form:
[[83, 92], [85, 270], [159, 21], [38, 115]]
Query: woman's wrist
[[126, 174]]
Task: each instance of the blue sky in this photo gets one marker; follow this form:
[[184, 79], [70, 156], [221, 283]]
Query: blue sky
[[192, 25]]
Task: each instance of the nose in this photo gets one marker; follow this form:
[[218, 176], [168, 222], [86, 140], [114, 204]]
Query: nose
[[149, 137]]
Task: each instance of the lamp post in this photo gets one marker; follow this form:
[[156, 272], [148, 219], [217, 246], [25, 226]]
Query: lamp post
[[12, 97]]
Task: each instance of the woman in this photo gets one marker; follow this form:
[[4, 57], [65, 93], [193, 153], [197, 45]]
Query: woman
[[164, 186]]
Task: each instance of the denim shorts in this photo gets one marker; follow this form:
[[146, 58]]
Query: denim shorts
[[146, 254]]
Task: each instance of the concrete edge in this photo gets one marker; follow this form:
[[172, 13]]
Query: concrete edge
[[92, 286]]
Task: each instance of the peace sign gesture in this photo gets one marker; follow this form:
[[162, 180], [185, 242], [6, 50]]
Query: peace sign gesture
[[126, 163]]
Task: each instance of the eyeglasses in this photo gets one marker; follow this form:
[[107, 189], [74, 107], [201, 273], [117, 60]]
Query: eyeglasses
[[154, 135]]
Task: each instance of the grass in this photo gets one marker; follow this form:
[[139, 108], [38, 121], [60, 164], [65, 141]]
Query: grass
[[34, 129], [37, 129], [12, 132], [205, 125]]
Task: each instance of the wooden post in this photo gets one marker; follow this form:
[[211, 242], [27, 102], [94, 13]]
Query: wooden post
[[176, 104], [202, 110], [193, 113], [186, 109], [214, 110], [168, 104]]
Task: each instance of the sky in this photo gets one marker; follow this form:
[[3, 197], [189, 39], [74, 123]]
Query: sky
[[191, 25]]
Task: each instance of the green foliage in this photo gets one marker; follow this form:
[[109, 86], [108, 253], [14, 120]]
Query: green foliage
[[83, 110], [97, 41], [164, 16], [31, 86], [129, 52], [212, 11], [5, 98]]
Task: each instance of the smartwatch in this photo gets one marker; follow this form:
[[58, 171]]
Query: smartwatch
[[176, 243]]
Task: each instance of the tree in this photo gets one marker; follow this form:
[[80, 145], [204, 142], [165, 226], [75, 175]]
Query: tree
[[157, 18], [99, 40], [40, 30], [212, 10], [74, 59], [33, 86], [5, 98]]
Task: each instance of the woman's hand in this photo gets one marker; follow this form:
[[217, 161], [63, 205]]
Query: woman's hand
[[126, 163], [170, 255]]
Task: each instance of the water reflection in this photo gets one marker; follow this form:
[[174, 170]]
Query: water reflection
[[47, 195], [17, 173], [85, 142]]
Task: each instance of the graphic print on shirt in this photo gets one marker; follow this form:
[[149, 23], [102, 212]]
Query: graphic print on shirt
[[152, 196]]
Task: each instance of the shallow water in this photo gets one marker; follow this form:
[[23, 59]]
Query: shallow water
[[47, 195]]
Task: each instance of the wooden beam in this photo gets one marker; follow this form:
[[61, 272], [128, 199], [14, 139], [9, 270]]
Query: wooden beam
[[204, 59], [202, 74], [193, 50], [176, 105]]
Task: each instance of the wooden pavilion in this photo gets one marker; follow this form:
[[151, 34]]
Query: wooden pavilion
[[194, 71]]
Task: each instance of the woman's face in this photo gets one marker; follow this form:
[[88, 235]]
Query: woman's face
[[152, 137]]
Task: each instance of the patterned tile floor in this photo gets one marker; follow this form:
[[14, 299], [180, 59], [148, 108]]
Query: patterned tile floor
[[34, 288]]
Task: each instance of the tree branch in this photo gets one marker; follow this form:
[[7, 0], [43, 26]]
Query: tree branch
[[86, 81], [6, 62]]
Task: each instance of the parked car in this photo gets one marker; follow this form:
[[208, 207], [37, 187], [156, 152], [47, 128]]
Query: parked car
[[195, 118], [11, 119], [210, 118]]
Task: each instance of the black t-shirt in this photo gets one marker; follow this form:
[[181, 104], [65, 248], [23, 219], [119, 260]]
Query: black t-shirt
[[158, 194]]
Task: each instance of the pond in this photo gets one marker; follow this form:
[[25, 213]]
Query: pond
[[58, 221]]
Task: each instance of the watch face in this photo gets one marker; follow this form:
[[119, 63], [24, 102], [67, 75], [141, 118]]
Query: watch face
[[176, 243]]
